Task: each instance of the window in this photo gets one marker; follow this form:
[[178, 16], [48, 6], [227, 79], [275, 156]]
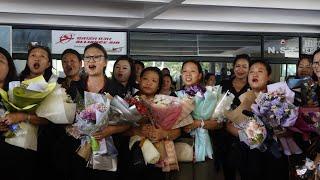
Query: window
[[22, 38], [281, 47], [163, 44], [309, 45], [229, 45]]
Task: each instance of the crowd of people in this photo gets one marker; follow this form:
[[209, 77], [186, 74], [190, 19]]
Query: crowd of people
[[56, 156]]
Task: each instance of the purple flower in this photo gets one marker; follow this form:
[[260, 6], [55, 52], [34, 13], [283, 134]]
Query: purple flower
[[89, 113], [274, 108], [192, 90]]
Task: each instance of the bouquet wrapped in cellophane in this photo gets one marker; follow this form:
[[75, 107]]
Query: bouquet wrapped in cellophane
[[224, 103], [205, 100], [25, 97], [165, 110], [57, 107], [127, 111], [309, 110], [170, 112], [252, 132], [101, 154], [276, 110], [306, 91]]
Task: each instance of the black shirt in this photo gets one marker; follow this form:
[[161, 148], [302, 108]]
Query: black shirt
[[111, 87], [70, 88], [227, 85]]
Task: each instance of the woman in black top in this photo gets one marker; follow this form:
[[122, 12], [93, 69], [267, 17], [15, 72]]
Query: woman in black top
[[71, 165], [39, 63], [270, 164], [11, 156], [150, 84], [124, 74], [166, 88], [227, 146]]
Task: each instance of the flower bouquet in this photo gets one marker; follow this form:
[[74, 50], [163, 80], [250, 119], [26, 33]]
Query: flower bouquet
[[185, 117], [165, 111], [205, 100], [57, 107], [308, 121], [139, 103], [253, 132], [25, 97], [94, 117], [308, 93], [128, 111], [276, 110]]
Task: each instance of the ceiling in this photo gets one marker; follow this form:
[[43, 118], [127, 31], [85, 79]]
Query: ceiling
[[207, 15]]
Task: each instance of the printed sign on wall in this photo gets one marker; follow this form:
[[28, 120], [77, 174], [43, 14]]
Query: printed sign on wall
[[114, 42]]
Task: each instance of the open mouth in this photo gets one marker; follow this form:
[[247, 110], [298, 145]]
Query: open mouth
[[36, 65], [92, 67], [69, 69], [255, 80], [120, 75]]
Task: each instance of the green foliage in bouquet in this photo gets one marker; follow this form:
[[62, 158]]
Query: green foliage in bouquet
[[23, 99]]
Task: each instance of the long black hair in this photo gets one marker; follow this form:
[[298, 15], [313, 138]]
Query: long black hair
[[12, 73], [132, 77], [47, 73]]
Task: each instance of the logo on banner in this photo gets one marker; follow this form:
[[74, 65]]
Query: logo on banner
[[283, 41], [66, 38]]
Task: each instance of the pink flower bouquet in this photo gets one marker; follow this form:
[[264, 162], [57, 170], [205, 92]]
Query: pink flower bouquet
[[165, 111], [253, 132]]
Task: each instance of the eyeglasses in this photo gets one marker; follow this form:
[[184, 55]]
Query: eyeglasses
[[94, 58], [316, 64]]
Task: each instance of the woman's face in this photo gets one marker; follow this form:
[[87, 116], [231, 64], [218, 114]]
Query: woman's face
[[122, 71], [4, 68], [149, 83], [138, 69], [38, 61], [316, 65], [241, 68], [258, 77], [304, 68], [211, 81], [166, 83], [71, 64], [191, 74], [94, 62]]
